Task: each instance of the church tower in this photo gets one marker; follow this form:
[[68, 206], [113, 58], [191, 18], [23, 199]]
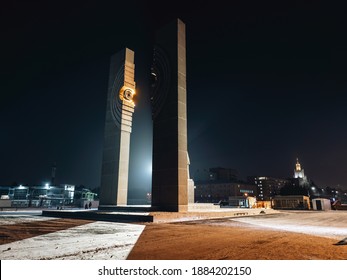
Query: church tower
[[300, 174]]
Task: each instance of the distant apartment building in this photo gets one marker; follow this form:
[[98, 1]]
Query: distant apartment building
[[216, 174], [223, 174], [219, 184], [267, 187], [214, 192]]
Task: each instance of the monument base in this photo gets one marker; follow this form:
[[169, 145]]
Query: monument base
[[128, 208], [146, 213], [172, 208], [105, 216]]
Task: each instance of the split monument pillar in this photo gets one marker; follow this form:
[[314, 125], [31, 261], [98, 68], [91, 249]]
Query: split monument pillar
[[169, 113], [118, 123]]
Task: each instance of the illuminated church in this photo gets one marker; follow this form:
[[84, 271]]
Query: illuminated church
[[299, 173]]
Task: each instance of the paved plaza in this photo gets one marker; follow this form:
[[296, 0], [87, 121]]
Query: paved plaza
[[28, 235]]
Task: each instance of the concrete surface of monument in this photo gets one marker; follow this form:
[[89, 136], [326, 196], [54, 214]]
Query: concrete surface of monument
[[191, 185], [169, 112], [116, 147]]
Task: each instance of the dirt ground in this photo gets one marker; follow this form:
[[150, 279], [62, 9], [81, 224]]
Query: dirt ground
[[222, 239], [14, 232]]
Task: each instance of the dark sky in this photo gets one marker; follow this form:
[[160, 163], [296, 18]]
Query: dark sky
[[266, 83]]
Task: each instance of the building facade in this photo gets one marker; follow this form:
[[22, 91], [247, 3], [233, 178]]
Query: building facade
[[267, 187], [215, 192], [300, 202], [46, 196], [223, 174]]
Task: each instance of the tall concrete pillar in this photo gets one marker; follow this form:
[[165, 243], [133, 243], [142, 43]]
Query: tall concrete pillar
[[119, 111], [169, 111]]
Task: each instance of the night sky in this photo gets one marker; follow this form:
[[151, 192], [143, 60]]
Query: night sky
[[266, 84]]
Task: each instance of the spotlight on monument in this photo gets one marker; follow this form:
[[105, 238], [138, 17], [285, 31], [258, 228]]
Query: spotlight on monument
[[127, 94]]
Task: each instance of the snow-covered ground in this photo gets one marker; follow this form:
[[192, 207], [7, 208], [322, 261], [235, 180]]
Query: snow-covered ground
[[93, 241], [331, 224], [15, 217]]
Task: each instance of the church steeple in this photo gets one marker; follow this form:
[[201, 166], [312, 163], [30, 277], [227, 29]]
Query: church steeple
[[297, 165], [298, 171]]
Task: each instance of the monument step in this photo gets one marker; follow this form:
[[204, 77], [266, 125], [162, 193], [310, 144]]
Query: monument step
[[99, 215], [128, 208]]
